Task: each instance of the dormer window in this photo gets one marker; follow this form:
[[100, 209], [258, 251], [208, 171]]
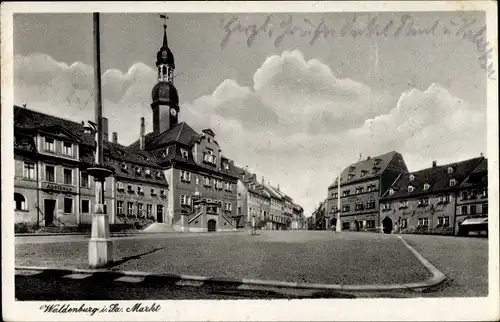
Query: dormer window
[[138, 170], [391, 192], [124, 167], [350, 176], [375, 170], [158, 174], [377, 161], [147, 171], [68, 148], [411, 177], [119, 186], [226, 166], [49, 145], [453, 182], [184, 154], [363, 173], [426, 186], [450, 170], [410, 188]]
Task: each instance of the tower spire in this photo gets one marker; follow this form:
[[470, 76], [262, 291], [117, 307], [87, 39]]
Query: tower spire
[[165, 42]]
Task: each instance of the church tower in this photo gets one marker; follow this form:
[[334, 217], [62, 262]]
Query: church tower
[[165, 99]]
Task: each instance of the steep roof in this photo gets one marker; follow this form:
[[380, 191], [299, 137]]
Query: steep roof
[[364, 169], [437, 177], [478, 177], [248, 179], [26, 119], [180, 133]]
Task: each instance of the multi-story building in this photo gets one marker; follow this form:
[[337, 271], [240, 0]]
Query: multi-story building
[[361, 185], [318, 218], [472, 202], [298, 219], [253, 200], [52, 187], [426, 201], [279, 219], [174, 175]]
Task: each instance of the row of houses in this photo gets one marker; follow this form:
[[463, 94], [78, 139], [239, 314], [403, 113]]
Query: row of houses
[[173, 177], [266, 206], [380, 195]]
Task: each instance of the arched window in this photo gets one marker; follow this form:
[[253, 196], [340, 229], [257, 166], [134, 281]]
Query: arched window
[[19, 201], [164, 71]]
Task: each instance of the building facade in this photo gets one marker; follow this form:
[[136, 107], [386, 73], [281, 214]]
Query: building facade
[[254, 202], [426, 201], [361, 185]]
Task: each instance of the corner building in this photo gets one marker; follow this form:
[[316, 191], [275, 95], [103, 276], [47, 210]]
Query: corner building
[[361, 186]]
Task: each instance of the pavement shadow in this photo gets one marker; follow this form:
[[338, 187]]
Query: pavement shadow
[[128, 258]]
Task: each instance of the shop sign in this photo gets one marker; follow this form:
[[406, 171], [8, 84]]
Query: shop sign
[[57, 187]]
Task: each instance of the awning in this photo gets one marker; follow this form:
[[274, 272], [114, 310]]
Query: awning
[[474, 221]]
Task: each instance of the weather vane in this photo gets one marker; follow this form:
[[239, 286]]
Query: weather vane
[[165, 18]]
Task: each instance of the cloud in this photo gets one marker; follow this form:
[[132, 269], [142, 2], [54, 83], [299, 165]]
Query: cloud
[[296, 125]]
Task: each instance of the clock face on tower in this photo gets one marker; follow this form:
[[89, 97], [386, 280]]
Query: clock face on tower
[[173, 112]]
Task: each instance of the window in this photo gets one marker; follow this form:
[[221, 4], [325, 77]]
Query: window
[[426, 222], [185, 176], [440, 222], [206, 181], [119, 207], [147, 172], [184, 154], [464, 195], [140, 191], [359, 189], [50, 173], [464, 210], [124, 167], [138, 170], [411, 177], [363, 173], [185, 200], [68, 205], [426, 186], [485, 192], [346, 208], [484, 209], [345, 193], [29, 170], [159, 210], [335, 194], [20, 201], [404, 223], [153, 192], [130, 208], [403, 204], [197, 180], [410, 188], [119, 186], [420, 222], [371, 188], [472, 209], [446, 221], [447, 198], [68, 176], [228, 206], [209, 157], [85, 206], [140, 210], [68, 148], [473, 194], [162, 193], [370, 204], [391, 192], [375, 170], [450, 169], [350, 176], [84, 180], [453, 182], [129, 188], [149, 210], [359, 206], [49, 145]]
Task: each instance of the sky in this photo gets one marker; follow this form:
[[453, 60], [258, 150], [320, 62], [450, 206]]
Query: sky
[[301, 97]]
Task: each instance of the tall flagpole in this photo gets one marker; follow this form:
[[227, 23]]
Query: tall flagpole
[[338, 226], [100, 245]]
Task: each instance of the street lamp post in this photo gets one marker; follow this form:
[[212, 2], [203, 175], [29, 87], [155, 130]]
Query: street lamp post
[[338, 226], [100, 246]]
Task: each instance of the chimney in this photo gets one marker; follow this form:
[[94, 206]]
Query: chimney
[[481, 153], [278, 187], [368, 158], [142, 134], [262, 179], [434, 163], [115, 137], [105, 136]]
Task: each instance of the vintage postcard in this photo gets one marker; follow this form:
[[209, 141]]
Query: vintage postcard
[[250, 161]]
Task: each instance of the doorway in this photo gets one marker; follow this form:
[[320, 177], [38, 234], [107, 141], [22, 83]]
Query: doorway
[[159, 217], [49, 207], [212, 225], [387, 225]]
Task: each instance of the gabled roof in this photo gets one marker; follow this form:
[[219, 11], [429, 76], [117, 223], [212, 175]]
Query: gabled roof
[[478, 177], [26, 119], [272, 191], [363, 170], [181, 133], [248, 179], [438, 178]]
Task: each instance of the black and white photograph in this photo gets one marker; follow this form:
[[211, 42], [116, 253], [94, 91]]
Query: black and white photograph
[[217, 161]]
